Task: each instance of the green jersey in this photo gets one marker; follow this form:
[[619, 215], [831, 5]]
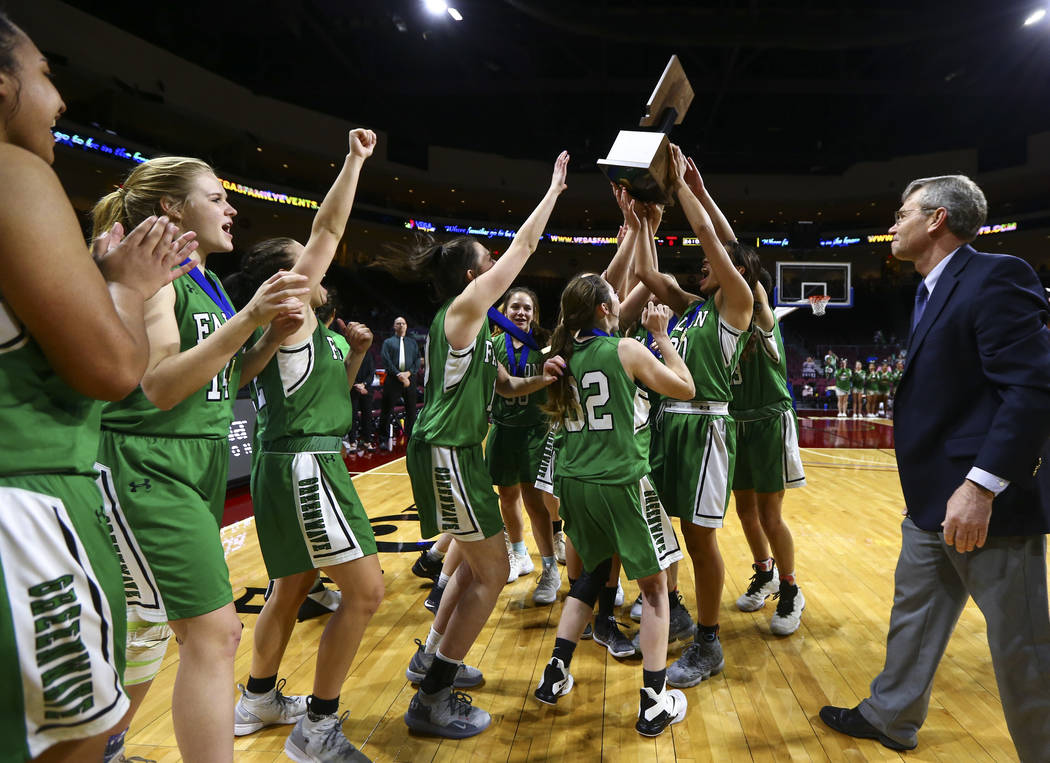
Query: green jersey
[[458, 388], [48, 426], [207, 412], [860, 379], [883, 381], [760, 387], [606, 428], [303, 391], [523, 411], [870, 381], [895, 377], [843, 377], [710, 348]]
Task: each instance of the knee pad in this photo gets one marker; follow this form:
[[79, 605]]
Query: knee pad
[[590, 583], [146, 646]]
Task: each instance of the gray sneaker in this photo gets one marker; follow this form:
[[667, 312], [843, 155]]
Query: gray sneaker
[[447, 714], [322, 741], [609, 635], [699, 660], [466, 676], [681, 628], [254, 713], [547, 585], [559, 547]]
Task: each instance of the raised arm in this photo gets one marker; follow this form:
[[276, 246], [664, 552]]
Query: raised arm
[[90, 331], [468, 310], [664, 287], [619, 268], [696, 184], [763, 312], [330, 221], [670, 378], [737, 301]]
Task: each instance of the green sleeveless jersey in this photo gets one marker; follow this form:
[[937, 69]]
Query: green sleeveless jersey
[[883, 381], [207, 412], [760, 387], [843, 377], [48, 427], [303, 391], [860, 380], [606, 428], [710, 348], [521, 411], [459, 386]]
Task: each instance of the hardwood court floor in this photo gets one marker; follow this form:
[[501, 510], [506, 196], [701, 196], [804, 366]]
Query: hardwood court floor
[[762, 707]]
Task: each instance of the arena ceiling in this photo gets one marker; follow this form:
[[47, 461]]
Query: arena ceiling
[[809, 86]]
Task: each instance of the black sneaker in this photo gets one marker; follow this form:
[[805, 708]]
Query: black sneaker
[[425, 567], [763, 584], [556, 682], [658, 711], [790, 603], [433, 600], [609, 635], [680, 628]]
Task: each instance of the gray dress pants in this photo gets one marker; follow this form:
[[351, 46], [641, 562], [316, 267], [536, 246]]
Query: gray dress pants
[[1007, 580]]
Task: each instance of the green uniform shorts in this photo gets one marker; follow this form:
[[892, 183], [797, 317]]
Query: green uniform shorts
[[692, 466], [307, 512], [629, 520], [513, 454], [767, 455], [62, 615], [453, 491], [164, 498]]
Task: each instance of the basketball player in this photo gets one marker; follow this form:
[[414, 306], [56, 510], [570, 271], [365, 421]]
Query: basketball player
[[608, 503], [71, 332], [164, 455]]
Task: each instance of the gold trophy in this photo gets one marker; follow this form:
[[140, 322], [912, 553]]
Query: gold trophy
[[639, 160]]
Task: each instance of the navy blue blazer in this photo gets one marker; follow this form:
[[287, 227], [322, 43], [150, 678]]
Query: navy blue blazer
[[391, 345], [976, 392]]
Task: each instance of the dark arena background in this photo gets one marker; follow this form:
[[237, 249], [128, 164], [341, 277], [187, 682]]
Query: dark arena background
[[809, 118]]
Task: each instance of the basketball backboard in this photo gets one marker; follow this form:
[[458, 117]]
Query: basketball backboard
[[797, 281]]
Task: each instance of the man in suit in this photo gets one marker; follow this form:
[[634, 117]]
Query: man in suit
[[971, 427], [400, 356]]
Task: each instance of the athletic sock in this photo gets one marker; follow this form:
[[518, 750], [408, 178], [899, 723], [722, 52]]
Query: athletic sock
[[766, 565], [789, 578], [548, 561], [433, 641], [434, 554], [654, 679], [442, 580], [705, 633], [440, 676], [261, 685], [317, 708], [606, 600], [563, 649], [556, 524], [519, 548]]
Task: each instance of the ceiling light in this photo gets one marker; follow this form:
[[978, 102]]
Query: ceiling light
[[456, 15], [1036, 17], [435, 6]]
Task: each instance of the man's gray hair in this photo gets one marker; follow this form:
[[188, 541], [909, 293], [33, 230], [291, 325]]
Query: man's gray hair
[[963, 198]]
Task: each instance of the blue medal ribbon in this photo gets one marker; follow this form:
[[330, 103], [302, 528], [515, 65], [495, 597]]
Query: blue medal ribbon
[[208, 288], [511, 328], [594, 332], [517, 363]]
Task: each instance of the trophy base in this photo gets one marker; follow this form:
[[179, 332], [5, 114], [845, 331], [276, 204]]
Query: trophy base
[[640, 162]]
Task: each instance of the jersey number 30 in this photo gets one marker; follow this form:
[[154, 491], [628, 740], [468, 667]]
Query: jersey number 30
[[595, 420]]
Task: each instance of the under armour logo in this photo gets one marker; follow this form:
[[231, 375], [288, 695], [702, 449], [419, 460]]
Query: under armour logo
[[144, 484]]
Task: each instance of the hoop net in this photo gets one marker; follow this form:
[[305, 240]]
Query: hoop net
[[819, 303]]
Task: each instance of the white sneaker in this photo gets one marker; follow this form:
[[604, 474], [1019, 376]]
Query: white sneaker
[[636, 609], [559, 547], [790, 604], [512, 574], [761, 586], [547, 586], [254, 712], [525, 564], [618, 601]]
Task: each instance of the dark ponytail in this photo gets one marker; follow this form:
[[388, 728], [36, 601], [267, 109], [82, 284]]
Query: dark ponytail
[[445, 264], [581, 298], [259, 263]]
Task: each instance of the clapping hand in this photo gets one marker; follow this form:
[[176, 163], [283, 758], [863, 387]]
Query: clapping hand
[[148, 257]]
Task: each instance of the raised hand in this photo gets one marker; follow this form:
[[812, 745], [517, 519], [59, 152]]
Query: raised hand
[[362, 143], [147, 258], [624, 201], [655, 318], [678, 163], [358, 336], [654, 213], [692, 178], [288, 322], [280, 293], [631, 217], [561, 168]]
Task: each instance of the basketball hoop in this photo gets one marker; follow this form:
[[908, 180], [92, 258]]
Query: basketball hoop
[[819, 303]]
